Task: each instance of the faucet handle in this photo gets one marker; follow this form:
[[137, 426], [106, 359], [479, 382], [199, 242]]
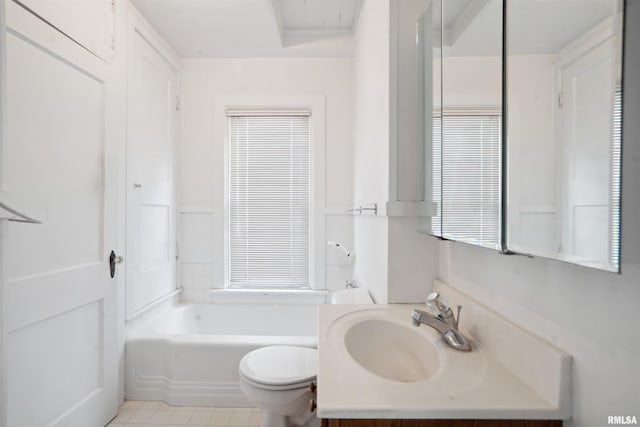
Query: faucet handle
[[457, 319], [436, 303]]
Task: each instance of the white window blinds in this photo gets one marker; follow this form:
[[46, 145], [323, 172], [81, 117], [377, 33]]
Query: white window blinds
[[436, 178], [467, 187], [615, 179], [268, 200]]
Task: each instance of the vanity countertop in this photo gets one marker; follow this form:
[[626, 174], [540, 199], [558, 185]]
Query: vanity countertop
[[526, 379]]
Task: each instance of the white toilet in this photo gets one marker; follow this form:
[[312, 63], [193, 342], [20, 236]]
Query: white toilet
[[277, 380]]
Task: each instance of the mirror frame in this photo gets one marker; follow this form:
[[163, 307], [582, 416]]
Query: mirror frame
[[427, 142], [491, 107], [619, 52]]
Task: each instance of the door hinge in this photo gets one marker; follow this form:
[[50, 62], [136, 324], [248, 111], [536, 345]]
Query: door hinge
[[113, 35], [178, 103], [560, 100], [177, 252]]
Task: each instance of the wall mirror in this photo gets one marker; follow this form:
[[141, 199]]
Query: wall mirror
[[461, 54], [429, 85], [564, 100]]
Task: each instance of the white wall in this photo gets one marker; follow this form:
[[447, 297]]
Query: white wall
[[363, 145], [412, 256], [532, 152], [152, 71], [413, 261], [201, 156], [471, 81], [593, 315], [395, 262], [3, 330], [405, 114], [371, 138]]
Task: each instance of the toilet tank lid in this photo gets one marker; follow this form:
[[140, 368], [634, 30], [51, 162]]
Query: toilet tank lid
[[280, 365]]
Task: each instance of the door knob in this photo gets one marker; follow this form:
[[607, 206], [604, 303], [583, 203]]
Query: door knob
[[113, 260]]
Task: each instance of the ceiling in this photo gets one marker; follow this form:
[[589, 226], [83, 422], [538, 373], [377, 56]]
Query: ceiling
[[474, 27], [254, 28], [545, 27], [324, 28]]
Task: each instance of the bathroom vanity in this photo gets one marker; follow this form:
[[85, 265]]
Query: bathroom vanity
[[377, 369]]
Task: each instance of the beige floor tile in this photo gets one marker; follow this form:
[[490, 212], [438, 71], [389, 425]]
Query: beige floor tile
[[161, 416], [138, 413], [200, 418], [180, 417], [240, 418], [256, 417], [165, 406], [220, 417], [132, 404], [123, 416], [141, 416], [152, 405]]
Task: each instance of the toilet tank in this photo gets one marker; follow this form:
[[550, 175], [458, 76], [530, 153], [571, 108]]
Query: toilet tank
[[351, 296]]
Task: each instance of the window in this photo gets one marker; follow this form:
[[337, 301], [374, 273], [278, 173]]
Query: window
[[466, 180], [616, 158], [268, 199]]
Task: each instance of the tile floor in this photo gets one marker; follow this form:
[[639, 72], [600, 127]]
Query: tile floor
[[134, 413]]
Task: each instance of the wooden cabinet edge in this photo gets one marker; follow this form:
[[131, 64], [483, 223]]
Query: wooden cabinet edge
[[342, 422]]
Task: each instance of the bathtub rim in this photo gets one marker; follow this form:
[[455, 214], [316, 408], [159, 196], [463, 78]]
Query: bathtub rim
[[186, 391]]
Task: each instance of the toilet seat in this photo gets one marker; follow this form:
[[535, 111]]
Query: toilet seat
[[269, 387], [280, 367]]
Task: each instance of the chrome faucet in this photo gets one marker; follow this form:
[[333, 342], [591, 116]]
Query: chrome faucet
[[443, 320]]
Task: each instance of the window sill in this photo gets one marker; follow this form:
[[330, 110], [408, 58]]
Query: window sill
[[268, 296]]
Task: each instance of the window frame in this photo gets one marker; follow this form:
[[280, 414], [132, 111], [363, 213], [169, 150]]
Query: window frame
[[315, 105], [480, 111]]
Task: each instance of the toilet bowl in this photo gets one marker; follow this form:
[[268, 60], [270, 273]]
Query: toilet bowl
[[277, 380]]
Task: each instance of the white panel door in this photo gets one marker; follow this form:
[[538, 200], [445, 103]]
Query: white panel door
[[60, 302], [89, 22], [151, 132], [587, 135]]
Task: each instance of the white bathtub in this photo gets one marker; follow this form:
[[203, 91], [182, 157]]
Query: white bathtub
[[190, 355]]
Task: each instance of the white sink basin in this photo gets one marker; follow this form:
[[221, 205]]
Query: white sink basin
[[380, 344], [373, 363], [392, 351]]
